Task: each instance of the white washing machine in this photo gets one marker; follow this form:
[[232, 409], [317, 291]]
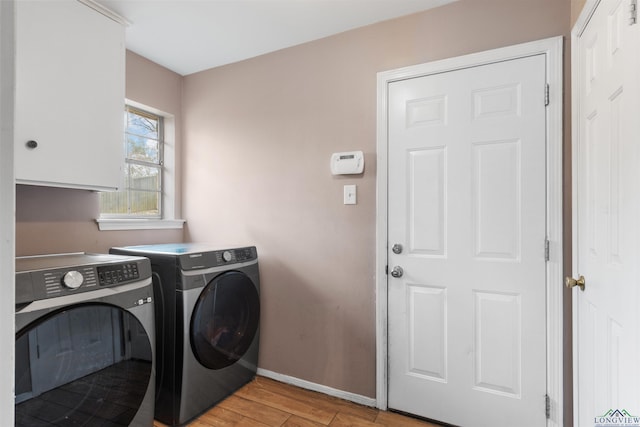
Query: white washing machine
[[208, 321], [85, 339]]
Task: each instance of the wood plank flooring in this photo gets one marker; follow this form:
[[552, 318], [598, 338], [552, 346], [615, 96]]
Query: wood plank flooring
[[265, 402]]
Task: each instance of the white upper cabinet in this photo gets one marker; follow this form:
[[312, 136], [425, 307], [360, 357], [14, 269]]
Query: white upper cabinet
[[70, 71]]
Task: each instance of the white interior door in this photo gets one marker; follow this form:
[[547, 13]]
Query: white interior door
[[606, 215], [467, 205]]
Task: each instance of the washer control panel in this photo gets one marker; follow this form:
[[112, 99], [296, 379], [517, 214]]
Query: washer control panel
[[217, 258], [51, 276], [235, 255], [117, 273], [56, 282]]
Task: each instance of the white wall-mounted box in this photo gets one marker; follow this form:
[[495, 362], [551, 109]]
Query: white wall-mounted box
[[347, 163]]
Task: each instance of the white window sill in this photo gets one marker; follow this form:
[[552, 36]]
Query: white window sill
[[110, 224]]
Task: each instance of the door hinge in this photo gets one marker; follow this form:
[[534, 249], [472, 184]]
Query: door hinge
[[547, 406], [546, 95], [386, 270], [633, 12], [547, 256]]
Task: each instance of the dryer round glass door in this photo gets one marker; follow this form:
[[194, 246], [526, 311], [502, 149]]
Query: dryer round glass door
[[84, 365], [225, 320]]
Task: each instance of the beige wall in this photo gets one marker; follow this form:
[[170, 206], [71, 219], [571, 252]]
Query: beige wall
[[576, 8], [53, 220], [257, 141]]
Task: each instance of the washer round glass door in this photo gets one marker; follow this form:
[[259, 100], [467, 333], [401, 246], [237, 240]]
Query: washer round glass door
[[225, 320], [86, 364]]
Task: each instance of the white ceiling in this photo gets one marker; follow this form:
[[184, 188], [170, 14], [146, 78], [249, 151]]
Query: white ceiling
[[188, 36]]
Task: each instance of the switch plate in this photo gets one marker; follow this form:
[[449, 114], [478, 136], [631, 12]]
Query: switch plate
[[350, 194]]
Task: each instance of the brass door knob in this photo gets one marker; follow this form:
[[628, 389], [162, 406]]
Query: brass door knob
[[571, 282]]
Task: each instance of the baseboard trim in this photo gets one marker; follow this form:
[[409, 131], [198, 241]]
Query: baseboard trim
[[308, 385]]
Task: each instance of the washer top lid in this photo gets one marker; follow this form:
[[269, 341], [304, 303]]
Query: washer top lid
[[192, 256], [48, 262], [176, 248]]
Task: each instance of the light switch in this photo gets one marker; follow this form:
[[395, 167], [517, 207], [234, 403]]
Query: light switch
[[350, 194]]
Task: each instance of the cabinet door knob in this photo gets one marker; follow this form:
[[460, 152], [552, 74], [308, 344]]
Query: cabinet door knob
[[32, 144]]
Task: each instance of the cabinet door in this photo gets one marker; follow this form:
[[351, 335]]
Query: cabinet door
[[69, 96]]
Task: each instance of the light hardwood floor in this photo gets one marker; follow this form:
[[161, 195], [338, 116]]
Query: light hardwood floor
[[265, 402]]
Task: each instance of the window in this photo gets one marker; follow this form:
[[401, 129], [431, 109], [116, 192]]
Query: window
[[141, 196], [148, 198]]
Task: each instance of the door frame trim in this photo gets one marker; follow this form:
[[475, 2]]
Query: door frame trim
[[552, 49], [7, 209]]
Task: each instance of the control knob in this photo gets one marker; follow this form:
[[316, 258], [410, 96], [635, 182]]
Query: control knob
[[72, 279], [227, 256]]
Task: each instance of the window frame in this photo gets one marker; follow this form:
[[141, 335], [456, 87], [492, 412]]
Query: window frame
[[169, 196]]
